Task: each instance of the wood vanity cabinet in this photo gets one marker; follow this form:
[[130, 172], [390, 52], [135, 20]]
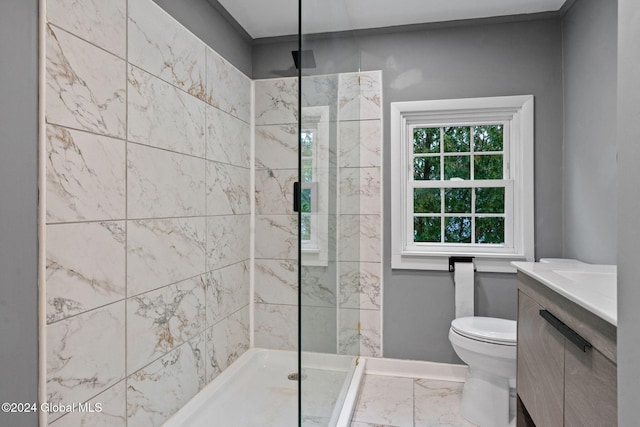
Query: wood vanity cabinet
[[559, 384]]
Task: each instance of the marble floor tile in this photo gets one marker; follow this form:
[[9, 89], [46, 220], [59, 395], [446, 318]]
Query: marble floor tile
[[386, 401], [437, 404]]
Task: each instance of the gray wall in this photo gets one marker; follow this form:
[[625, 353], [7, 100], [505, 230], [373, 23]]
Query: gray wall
[[628, 210], [589, 31], [18, 209], [485, 59], [207, 20]]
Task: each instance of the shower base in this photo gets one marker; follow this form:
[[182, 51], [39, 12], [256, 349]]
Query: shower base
[[256, 391]]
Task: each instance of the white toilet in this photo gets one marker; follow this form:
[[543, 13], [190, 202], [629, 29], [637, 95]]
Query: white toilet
[[488, 346]]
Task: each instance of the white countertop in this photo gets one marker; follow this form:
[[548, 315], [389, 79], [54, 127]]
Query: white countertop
[[593, 287]]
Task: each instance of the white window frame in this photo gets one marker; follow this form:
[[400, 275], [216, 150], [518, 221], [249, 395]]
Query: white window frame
[[516, 112]]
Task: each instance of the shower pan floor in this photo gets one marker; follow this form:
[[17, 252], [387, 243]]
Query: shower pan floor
[[256, 391]]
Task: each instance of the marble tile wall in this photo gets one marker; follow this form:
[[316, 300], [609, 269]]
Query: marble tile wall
[[147, 209]]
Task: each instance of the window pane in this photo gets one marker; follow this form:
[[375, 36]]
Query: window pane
[[305, 200], [489, 230], [457, 200], [489, 200], [307, 170], [456, 139], [426, 229], [426, 140], [426, 168], [488, 167], [457, 230], [488, 138], [306, 141], [305, 227], [457, 167], [426, 200]]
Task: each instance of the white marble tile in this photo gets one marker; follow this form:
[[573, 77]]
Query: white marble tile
[[226, 342], [227, 189], [276, 237], [103, 23], [160, 115], [276, 281], [85, 267], [437, 403], [320, 91], [360, 191], [227, 240], [110, 410], [161, 388], [227, 291], [274, 191], [363, 424], [360, 143], [360, 96], [370, 336], [319, 285], [277, 146], [348, 335], [385, 400], [160, 320], [164, 184], [276, 326], [227, 88], [164, 48], [228, 138], [319, 326], [360, 285], [276, 101], [86, 86], [360, 238], [85, 176], [164, 251], [85, 354]]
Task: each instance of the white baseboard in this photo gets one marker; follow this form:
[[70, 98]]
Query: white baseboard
[[416, 369]]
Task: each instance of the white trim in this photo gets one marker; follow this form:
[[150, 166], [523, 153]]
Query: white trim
[[517, 114], [416, 369], [349, 404], [252, 219]]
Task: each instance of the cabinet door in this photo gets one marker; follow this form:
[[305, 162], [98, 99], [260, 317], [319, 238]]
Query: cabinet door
[[540, 381], [590, 389]]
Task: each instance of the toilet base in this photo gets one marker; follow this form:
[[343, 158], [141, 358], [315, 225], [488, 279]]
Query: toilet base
[[485, 399]]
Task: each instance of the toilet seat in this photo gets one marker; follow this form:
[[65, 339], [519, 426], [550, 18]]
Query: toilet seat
[[486, 329]]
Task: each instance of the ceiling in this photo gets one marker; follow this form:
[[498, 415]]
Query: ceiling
[[271, 18]]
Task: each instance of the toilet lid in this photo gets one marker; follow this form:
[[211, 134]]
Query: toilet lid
[[488, 329]]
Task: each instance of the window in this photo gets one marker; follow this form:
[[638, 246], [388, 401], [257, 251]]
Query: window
[[309, 190], [462, 182]]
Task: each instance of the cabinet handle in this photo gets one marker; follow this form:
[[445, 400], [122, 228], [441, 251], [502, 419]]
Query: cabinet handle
[[569, 333]]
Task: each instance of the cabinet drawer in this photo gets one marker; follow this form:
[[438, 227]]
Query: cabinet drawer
[[540, 375]]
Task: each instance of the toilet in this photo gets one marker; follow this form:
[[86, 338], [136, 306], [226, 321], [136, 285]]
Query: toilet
[[488, 346]]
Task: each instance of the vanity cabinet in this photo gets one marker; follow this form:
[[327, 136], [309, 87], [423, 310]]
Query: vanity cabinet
[[566, 361]]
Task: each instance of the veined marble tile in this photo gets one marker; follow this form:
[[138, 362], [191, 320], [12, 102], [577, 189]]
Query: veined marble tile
[[164, 184], [276, 101], [228, 88], [163, 116], [164, 48], [228, 138], [319, 329], [85, 176], [360, 96], [360, 191], [276, 237], [161, 388], [319, 91], [227, 189], [164, 251], [370, 337], [276, 281], [360, 238], [319, 285], [227, 291], [274, 191], [385, 400], [360, 285], [85, 354], [113, 410], [226, 342], [276, 326], [161, 320], [277, 146], [85, 267], [360, 143], [437, 403], [227, 240], [348, 335], [103, 23], [86, 86]]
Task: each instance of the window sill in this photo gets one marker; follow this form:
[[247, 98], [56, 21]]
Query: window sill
[[493, 263]]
